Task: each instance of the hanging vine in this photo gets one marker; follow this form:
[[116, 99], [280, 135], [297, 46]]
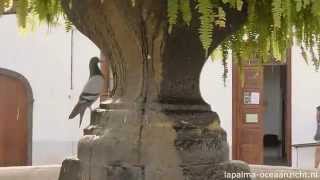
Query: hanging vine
[[271, 26]]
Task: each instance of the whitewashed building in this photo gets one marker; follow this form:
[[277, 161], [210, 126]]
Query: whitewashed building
[[294, 122], [55, 74], [52, 67]]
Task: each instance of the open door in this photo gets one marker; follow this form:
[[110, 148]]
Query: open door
[[248, 118], [261, 112]]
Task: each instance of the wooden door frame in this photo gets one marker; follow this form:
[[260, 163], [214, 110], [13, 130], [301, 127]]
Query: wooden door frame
[[235, 101], [288, 109], [30, 100]]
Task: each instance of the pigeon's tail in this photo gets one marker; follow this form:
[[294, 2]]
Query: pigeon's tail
[[79, 108], [81, 117]]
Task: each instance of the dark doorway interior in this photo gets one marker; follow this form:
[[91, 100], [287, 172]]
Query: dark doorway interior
[[274, 139]]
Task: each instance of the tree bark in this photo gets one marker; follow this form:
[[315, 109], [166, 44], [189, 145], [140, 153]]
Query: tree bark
[[157, 126]]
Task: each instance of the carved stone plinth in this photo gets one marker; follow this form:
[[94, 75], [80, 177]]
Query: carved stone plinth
[[156, 125]]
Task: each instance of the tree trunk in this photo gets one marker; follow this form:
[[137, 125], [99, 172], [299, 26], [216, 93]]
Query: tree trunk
[[157, 126]]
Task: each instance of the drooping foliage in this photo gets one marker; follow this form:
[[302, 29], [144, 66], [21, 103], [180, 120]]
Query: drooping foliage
[[48, 11], [270, 30]]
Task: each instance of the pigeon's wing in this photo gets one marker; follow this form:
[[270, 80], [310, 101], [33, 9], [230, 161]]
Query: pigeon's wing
[[94, 85], [90, 94], [92, 89]]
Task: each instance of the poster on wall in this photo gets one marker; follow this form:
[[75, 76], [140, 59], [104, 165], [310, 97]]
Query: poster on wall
[[251, 98]]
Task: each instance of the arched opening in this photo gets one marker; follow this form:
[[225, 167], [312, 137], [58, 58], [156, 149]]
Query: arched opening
[[16, 105]]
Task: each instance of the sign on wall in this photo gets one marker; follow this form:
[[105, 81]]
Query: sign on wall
[[251, 98]]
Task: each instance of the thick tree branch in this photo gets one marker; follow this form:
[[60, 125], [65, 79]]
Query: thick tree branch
[[235, 21], [131, 36]]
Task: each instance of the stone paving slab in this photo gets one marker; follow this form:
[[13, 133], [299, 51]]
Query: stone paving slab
[[50, 172], [283, 173]]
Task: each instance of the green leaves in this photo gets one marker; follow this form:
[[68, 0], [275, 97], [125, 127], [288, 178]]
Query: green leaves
[[220, 18], [216, 54], [172, 11], [206, 23], [275, 49], [185, 11], [176, 8], [271, 27], [4, 5], [211, 16], [237, 4], [315, 8], [298, 5], [48, 11], [277, 13], [68, 25], [22, 8]]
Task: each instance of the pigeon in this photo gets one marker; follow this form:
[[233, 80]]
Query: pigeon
[[91, 90]]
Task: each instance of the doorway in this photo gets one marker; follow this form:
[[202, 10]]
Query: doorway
[[15, 119], [274, 114], [262, 114]]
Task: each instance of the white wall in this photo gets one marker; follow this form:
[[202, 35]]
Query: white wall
[[303, 157], [216, 94], [305, 99], [43, 57], [47, 67]]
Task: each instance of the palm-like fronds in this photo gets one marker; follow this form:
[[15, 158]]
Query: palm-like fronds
[[49, 11], [271, 27], [270, 30]]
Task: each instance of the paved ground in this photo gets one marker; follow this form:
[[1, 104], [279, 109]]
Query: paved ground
[[30, 173], [283, 173], [52, 172]]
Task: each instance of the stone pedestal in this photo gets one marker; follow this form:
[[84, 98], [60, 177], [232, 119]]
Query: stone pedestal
[[172, 144], [156, 125]]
